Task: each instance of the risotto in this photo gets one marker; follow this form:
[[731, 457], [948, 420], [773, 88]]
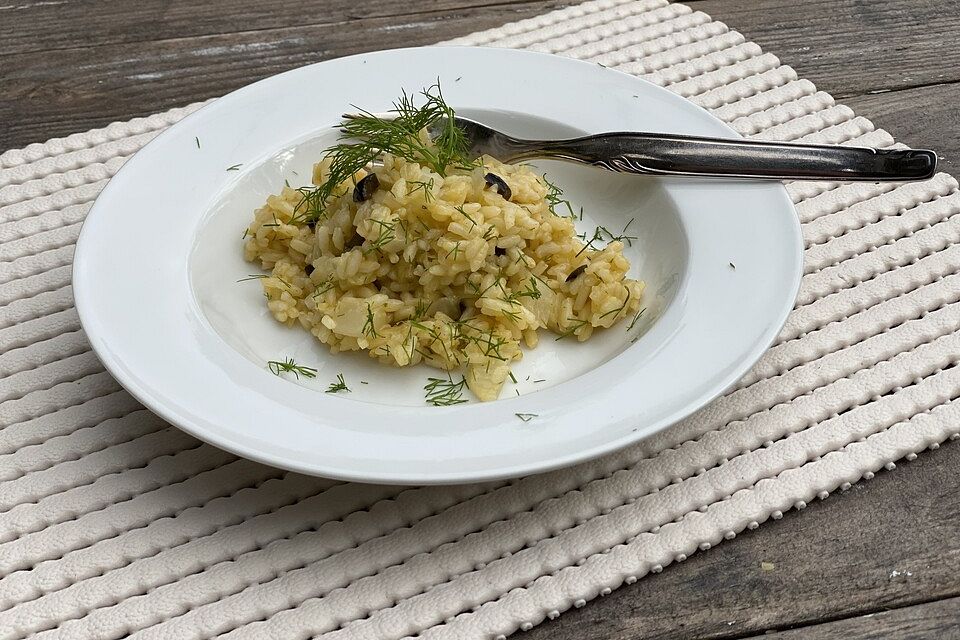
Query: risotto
[[451, 265]]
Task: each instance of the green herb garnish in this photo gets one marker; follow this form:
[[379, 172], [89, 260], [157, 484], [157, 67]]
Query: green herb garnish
[[635, 318], [455, 252], [597, 237], [513, 315], [531, 292], [386, 233], [426, 187], [601, 231], [235, 167], [261, 276], [553, 199], [489, 342], [623, 237], [466, 215], [575, 325], [369, 329], [339, 385], [616, 312], [444, 393], [420, 310], [369, 136], [322, 288], [289, 366], [527, 417]]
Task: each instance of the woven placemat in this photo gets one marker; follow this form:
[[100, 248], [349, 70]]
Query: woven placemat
[[114, 524]]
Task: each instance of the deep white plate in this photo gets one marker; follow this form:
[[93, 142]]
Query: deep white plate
[[159, 256]]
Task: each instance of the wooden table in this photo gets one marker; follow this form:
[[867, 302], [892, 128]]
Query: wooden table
[[881, 560]]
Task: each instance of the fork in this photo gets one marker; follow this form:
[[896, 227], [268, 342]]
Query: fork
[[679, 155]]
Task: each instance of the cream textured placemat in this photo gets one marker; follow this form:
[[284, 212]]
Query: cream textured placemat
[[114, 524]]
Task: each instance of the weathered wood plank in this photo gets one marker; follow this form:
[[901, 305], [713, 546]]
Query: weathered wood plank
[[920, 117], [68, 90], [940, 619], [886, 543], [32, 25], [161, 62], [849, 47]]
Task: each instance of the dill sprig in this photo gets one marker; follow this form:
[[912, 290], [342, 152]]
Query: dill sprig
[[527, 417], [339, 385], [322, 288], [455, 251], [616, 312], [489, 342], [554, 199], [262, 276], [289, 366], [444, 393], [622, 237], [512, 315], [602, 234], [466, 215], [386, 233], [531, 292], [369, 328], [421, 309], [426, 187], [369, 136], [635, 318], [597, 237], [575, 324]]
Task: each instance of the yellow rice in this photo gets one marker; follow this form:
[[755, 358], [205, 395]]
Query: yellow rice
[[438, 270]]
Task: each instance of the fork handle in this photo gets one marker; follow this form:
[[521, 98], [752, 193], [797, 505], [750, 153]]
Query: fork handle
[[658, 154]]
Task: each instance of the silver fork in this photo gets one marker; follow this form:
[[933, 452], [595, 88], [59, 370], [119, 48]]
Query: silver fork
[[678, 155]]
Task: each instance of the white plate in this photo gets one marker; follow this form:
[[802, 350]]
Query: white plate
[[160, 253]]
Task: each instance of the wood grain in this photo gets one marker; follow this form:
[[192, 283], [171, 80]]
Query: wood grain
[[888, 543], [46, 25], [850, 47], [66, 90], [920, 117], [67, 67], [939, 619]]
